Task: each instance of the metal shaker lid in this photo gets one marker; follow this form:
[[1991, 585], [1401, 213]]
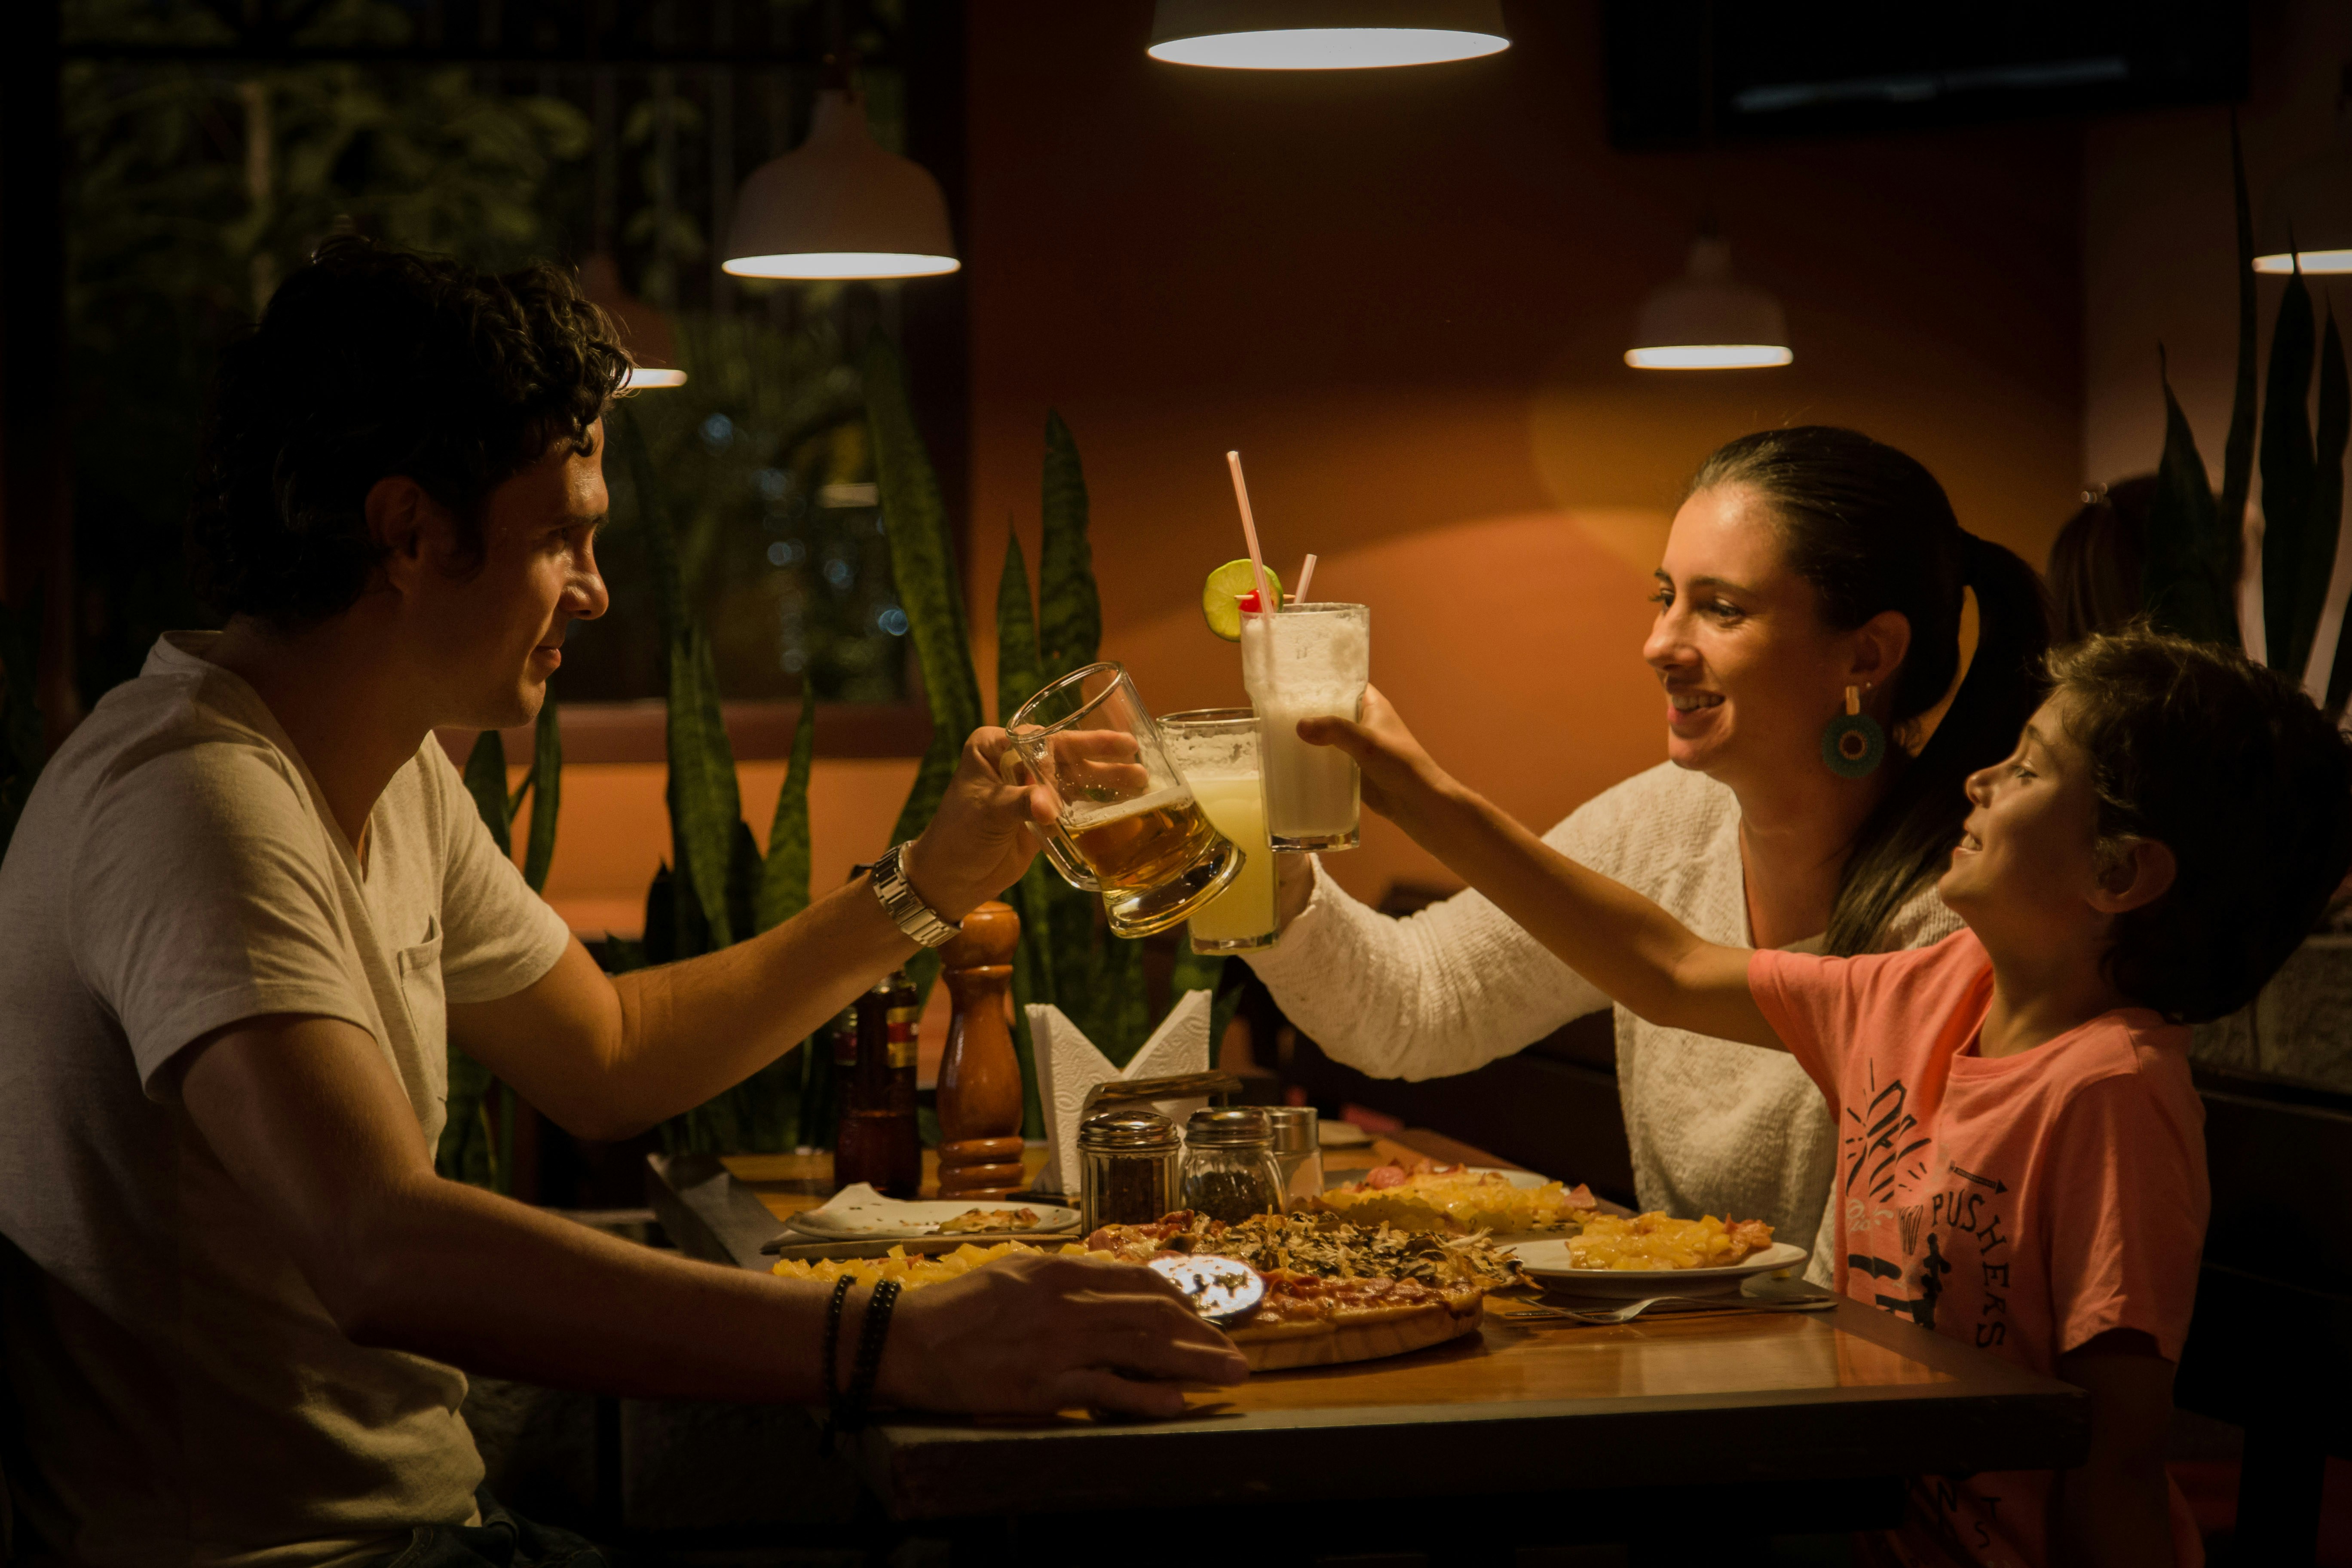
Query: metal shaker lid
[[1233, 1127], [1129, 1127], [1294, 1128]]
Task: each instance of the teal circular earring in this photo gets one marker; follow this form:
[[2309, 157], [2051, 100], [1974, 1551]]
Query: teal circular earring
[[1853, 744]]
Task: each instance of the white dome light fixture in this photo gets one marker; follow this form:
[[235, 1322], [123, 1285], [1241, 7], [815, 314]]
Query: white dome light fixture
[[1707, 320], [839, 207], [1325, 35], [645, 330], [2307, 216]]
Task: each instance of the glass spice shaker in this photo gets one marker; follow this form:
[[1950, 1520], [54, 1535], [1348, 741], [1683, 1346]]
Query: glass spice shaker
[[1229, 1172], [1127, 1166], [1298, 1150]]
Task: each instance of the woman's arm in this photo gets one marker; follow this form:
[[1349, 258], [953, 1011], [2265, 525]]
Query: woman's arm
[[1616, 939]]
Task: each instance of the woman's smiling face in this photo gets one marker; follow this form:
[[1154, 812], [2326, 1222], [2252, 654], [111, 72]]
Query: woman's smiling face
[[1750, 672]]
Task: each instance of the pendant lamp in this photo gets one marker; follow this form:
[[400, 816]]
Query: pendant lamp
[[1325, 35], [839, 207], [2307, 216], [644, 331], [1709, 320]]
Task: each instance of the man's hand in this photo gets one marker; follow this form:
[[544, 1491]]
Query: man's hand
[[1034, 1335], [978, 844], [1401, 781]]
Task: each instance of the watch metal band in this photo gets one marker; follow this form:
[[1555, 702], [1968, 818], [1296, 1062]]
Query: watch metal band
[[905, 907]]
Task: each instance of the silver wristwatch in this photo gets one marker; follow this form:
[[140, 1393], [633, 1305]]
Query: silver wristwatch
[[904, 907]]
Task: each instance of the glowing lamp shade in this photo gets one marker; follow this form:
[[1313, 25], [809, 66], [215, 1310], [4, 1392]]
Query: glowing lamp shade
[[2308, 214], [1325, 35], [839, 207], [643, 376], [1707, 320]]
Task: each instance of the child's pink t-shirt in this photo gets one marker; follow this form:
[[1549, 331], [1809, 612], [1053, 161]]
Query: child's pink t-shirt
[[2022, 1204]]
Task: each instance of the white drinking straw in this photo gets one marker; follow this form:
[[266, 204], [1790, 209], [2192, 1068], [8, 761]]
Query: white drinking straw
[[1249, 530], [1306, 575]]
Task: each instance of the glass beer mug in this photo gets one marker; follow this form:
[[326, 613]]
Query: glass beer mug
[[1127, 826]]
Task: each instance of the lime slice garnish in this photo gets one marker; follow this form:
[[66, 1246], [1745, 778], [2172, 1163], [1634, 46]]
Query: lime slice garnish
[[1220, 596]]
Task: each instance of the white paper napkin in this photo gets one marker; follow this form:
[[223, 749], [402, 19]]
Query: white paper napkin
[[1069, 1064]]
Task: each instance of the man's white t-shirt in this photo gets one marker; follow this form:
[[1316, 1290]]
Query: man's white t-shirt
[[181, 1395]]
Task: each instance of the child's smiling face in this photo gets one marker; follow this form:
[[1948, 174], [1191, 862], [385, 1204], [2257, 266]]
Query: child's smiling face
[[2027, 868]]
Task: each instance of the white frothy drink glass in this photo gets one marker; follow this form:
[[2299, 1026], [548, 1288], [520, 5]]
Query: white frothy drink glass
[[1127, 824], [1307, 661], [1216, 750]]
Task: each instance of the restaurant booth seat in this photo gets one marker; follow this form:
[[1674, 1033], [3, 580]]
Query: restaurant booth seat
[[2270, 1347]]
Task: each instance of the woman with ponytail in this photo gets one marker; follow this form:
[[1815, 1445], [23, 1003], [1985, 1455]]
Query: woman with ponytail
[[1809, 627]]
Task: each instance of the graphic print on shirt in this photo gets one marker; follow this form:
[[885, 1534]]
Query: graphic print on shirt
[[1885, 1158]]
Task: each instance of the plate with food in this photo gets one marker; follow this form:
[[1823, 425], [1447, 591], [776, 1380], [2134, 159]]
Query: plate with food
[[1643, 1255], [1459, 1200], [1334, 1291], [858, 1213]]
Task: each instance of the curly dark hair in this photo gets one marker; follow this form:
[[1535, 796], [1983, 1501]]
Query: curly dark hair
[[2231, 767], [372, 361]]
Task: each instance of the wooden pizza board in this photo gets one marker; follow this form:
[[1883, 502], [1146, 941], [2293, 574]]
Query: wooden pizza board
[[1370, 1341]]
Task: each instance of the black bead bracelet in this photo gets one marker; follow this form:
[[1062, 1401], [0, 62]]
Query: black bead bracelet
[[847, 1407]]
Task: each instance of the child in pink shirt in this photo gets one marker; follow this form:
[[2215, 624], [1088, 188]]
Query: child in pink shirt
[[2021, 1161]]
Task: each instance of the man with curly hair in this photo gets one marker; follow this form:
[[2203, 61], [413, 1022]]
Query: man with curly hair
[[250, 905]]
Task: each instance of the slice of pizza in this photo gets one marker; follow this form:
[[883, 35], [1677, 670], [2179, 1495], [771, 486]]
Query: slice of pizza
[[1305, 1319], [1455, 1200]]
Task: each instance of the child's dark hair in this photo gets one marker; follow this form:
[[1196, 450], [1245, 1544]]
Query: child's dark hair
[[371, 361], [2231, 767]]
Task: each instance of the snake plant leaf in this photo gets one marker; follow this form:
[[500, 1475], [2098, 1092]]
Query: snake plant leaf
[[784, 876], [2287, 474], [1017, 672], [485, 780], [546, 786], [2181, 580], [923, 567], [706, 805], [2326, 520], [464, 1152], [1069, 610], [2238, 451], [659, 943]]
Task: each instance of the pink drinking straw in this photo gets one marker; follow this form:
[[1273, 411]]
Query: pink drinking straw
[[1249, 530], [1306, 575]]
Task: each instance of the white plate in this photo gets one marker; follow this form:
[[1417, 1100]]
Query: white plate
[[1519, 1179], [858, 1213], [1547, 1261]]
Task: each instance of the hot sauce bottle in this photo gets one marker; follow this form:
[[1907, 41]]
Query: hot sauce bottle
[[873, 1074]]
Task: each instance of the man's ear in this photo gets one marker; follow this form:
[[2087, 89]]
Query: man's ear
[[2141, 871], [409, 524]]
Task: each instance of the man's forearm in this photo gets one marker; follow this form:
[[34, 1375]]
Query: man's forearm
[[462, 1275], [689, 1031]]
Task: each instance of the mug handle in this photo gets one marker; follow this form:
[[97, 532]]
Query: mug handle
[[1053, 841]]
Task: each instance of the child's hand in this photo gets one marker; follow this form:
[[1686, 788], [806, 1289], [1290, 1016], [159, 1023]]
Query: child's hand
[[1400, 780]]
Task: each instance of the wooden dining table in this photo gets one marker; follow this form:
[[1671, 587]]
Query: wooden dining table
[[1681, 1434]]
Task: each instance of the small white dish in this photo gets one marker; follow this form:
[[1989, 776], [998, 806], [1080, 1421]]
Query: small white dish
[[1547, 1261], [1341, 1135], [858, 1213]]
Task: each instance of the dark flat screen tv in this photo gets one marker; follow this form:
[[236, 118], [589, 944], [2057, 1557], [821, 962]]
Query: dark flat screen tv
[[1781, 70]]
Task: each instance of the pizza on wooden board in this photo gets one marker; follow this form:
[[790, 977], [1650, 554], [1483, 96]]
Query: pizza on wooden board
[[1334, 1291]]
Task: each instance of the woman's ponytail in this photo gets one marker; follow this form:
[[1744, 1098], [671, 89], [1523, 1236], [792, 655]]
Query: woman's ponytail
[[1914, 825]]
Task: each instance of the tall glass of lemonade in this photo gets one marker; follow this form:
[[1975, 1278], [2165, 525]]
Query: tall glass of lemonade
[[1307, 661], [1216, 750]]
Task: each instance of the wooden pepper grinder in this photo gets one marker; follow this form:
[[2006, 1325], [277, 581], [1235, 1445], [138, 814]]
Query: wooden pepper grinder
[[980, 1076]]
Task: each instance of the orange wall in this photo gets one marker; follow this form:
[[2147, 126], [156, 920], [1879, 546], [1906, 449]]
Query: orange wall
[[1404, 295]]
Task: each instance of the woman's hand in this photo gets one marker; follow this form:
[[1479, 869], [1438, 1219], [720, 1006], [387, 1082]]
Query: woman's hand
[[979, 842], [1400, 782], [1033, 1335]]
